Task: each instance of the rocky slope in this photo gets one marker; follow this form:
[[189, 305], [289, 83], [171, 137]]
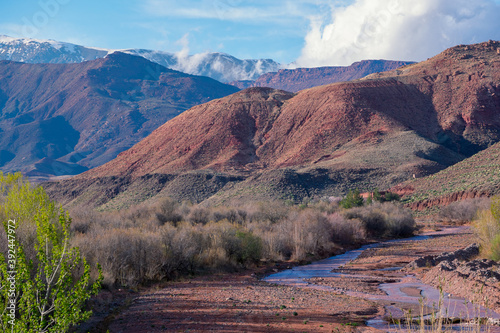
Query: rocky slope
[[374, 132], [61, 119], [464, 84], [474, 177], [303, 78], [219, 66]]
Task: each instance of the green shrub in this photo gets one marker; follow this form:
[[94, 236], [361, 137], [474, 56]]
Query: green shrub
[[377, 196], [251, 247], [495, 207], [495, 248], [352, 199], [390, 196], [487, 228], [47, 268]]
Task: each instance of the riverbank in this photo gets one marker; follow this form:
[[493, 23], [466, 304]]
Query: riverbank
[[241, 302]]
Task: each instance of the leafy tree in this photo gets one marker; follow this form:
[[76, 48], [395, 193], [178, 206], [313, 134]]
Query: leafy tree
[[52, 280], [250, 247], [377, 196], [390, 196], [352, 199]]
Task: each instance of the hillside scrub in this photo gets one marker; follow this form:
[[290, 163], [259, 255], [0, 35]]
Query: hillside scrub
[[151, 242], [465, 210]]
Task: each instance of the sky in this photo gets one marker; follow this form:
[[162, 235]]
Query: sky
[[304, 33]]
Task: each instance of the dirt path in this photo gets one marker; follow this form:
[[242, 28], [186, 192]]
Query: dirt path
[[242, 303]]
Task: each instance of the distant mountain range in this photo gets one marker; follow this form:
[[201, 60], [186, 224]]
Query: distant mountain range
[[298, 79], [219, 66], [265, 144], [60, 119]]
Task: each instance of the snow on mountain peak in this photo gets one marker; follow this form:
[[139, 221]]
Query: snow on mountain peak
[[220, 66]]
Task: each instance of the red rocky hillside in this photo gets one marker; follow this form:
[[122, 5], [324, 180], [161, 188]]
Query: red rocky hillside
[[451, 99], [264, 144]]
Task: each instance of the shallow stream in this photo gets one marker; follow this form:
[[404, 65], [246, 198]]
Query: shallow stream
[[409, 290]]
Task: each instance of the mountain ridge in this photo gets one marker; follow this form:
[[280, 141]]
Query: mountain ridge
[[298, 79], [374, 132], [219, 66], [84, 114]]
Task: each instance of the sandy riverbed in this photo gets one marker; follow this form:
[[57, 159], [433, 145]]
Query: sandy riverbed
[[242, 303]]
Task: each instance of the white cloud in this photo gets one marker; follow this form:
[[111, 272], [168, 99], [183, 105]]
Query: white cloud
[[185, 62], [221, 66], [397, 29]]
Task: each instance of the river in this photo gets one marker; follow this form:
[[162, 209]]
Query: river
[[452, 307]]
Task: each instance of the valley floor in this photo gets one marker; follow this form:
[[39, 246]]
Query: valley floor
[[243, 303]]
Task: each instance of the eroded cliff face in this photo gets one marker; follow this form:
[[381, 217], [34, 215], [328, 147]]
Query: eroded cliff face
[[447, 199]]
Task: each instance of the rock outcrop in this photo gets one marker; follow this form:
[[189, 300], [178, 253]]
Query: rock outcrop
[[459, 274], [480, 270], [447, 258]]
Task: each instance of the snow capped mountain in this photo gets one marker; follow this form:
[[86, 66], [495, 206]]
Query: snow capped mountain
[[220, 66], [46, 51]]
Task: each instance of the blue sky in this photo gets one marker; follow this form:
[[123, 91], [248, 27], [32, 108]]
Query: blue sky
[[312, 32]]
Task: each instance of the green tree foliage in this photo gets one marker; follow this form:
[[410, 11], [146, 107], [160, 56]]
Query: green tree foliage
[[387, 197], [250, 247], [352, 199], [487, 228], [495, 207], [52, 280], [390, 196]]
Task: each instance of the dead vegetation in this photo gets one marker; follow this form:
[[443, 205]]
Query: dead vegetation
[[167, 239]]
